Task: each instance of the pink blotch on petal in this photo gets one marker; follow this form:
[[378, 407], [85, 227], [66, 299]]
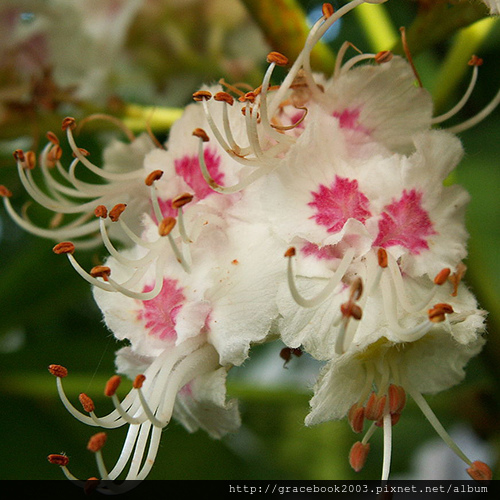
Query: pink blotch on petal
[[336, 204], [404, 222], [188, 167], [349, 119], [327, 252], [159, 314]]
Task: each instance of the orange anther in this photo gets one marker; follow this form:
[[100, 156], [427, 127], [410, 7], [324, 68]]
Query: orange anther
[[101, 211], [87, 403], [358, 454], [19, 155], [446, 308], [58, 459], [327, 10], [100, 272], [181, 200], [4, 192], [202, 95], [356, 417], [166, 225], [383, 57], [456, 277], [382, 257], [224, 97], [68, 123], [116, 211], [52, 138], [112, 385], [375, 406], [351, 310], [277, 58], [200, 133], [442, 276], [290, 252], [64, 247], [475, 61], [138, 381], [96, 442], [480, 471], [58, 371], [54, 154], [30, 160], [153, 176], [397, 398]]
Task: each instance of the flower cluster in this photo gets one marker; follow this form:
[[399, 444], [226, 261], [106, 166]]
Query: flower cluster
[[315, 211]]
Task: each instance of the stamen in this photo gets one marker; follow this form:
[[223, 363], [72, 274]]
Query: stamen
[[386, 464], [375, 406], [383, 57], [409, 56], [87, 403], [112, 385], [330, 286], [116, 211], [356, 417], [96, 442], [58, 371], [397, 398], [327, 10], [479, 471], [101, 211], [58, 459], [153, 177], [5, 192], [100, 272], [456, 277], [65, 247]]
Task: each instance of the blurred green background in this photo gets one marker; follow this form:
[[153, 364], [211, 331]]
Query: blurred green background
[[168, 49]]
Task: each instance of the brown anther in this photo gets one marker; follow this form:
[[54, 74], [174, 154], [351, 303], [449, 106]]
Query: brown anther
[[290, 252], [19, 155], [58, 459], [446, 308], [479, 471], [86, 402], [356, 417], [202, 95], [58, 371], [382, 257], [101, 211], [287, 352], [96, 442], [438, 313], [456, 277], [358, 454], [375, 406], [356, 289], [351, 310], [277, 58], [383, 57], [166, 225], [116, 211], [64, 247], [30, 162], [153, 176], [138, 381], [327, 10], [200, 133], [82, 151], [442, 276], [397, 398], [5, 192], [68, 122], [224, 97], [475, 61], [100, 272], [54, 154], [181, 200], [112, 385], [52, 138], [249, 96]]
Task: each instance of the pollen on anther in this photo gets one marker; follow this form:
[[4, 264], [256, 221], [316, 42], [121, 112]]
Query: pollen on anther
[[290, 252], [181, 200], [5, 192], [112, 385], [100, 272], [58, 371], [277, 58], [200, 133], [86, 402], [153, 176], [201, 95], [64, 247], [96, 442], [442, 276], [68, 122], [166, 225], [116, 211], [58, 459], [101, 211], [138, 381], [382, 257], [327, 10]]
